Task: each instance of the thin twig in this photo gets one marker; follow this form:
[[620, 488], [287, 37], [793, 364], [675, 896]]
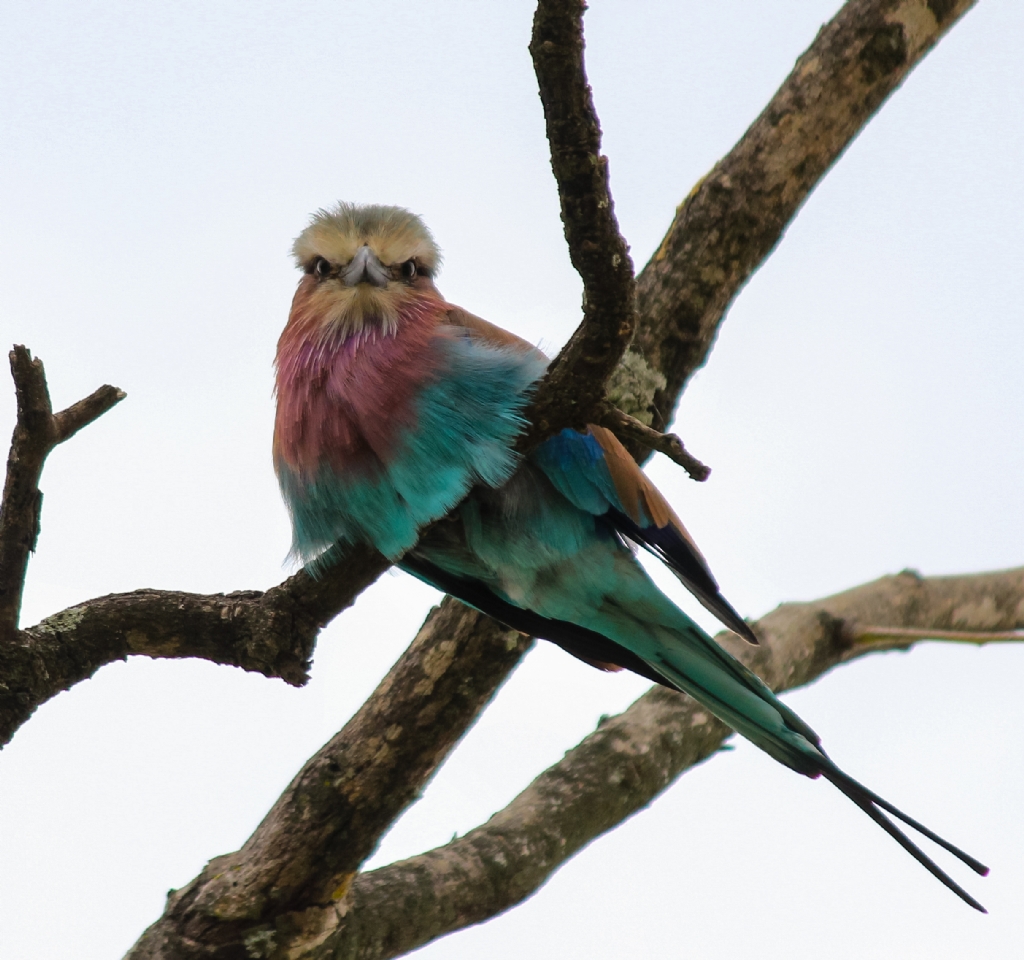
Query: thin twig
[[72, 419], [629, 429], [909, 635]]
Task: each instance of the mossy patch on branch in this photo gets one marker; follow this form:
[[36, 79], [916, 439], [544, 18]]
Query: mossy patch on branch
[[632, 387]]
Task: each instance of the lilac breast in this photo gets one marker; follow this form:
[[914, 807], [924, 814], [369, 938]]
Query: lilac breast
[[346, 401]]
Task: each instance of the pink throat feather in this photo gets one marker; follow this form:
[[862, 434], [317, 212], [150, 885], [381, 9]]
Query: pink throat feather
[[344, 399]]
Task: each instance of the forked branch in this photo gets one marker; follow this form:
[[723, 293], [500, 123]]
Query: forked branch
[[36, 432]]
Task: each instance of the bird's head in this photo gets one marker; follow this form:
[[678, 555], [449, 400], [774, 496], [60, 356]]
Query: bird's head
[[363, 265]]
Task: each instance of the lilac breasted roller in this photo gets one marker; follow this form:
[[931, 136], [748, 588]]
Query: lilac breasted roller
[[397, 415]]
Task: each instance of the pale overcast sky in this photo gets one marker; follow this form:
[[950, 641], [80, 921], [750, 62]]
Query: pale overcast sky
[[862, 411]]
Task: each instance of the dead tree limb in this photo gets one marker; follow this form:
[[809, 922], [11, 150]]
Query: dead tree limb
[[632, 431], [272, 633], [609, 776], [575, 381], [733, 218], [36, 432]]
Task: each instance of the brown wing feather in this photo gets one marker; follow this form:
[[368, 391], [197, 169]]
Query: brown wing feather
[[635, 489], [485, 330], [642, 500]]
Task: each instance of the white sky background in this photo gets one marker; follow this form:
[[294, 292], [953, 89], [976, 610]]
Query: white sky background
[[862, 412]]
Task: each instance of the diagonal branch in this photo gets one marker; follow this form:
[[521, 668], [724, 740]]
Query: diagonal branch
[[36, 432], [616, 771], [733, 218], [333, 814], [631, 758]]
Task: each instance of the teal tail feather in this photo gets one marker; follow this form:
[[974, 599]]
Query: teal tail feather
[[669, 647], [873, 805], [742, 700]]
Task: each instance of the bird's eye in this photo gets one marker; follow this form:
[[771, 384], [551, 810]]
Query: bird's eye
[[321, 268], [409, 269]]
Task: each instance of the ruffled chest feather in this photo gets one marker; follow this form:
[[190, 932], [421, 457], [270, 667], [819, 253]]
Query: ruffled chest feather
[[344, 401], [380, 433]]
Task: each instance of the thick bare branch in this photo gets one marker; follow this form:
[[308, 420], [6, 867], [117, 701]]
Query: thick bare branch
[[272, 633], [331, 817], [36, 432], [731, 221], [290, 890], [628, 761], [575, 380]]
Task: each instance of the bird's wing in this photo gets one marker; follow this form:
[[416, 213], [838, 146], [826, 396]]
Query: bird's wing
[[585, 644], [596, 473], [488, 332]]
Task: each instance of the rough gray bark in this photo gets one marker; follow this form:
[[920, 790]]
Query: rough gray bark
[[575, 381], [734, 217], [612, 774], [330, 819]]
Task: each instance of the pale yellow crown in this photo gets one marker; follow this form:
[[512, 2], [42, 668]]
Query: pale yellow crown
[[395, 235], [363, 265]]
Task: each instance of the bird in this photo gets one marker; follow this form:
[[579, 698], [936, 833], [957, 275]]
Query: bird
[[396, 423]]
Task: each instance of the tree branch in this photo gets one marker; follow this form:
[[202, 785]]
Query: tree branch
[[616, 771], [272, 633], [733, 218], [36, 432], [631, 758], [333, 814], [632, 431], [575, 380]]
